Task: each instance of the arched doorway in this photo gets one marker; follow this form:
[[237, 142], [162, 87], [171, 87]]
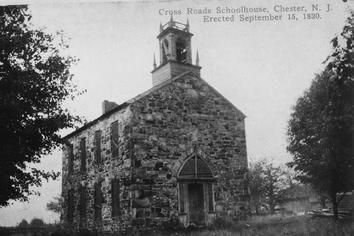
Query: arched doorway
[[195, 185]]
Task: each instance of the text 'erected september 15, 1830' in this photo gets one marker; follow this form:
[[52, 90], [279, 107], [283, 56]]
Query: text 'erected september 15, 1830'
[[246, 14]]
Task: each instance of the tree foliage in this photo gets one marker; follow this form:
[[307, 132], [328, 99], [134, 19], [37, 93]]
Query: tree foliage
[[36, 222], [320, 130], [34, 82], [255, 184], [274, 185], [267, 183], [56, 205], [23, 224]]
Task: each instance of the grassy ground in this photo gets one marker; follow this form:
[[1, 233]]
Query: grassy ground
[[262, 226], [274, 225]]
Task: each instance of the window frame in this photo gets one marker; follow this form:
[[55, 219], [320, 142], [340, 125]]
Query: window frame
[[70, 206], [70, 147], [98, 199], [98, 150], [115, 140], [83, 155], [115, 195]]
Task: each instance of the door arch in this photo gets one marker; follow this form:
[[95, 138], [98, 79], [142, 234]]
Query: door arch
[[195, 185]]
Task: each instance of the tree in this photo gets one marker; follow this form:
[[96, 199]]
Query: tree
[[273, 185], [320, 130], [23, 224], [36, 222], [56, 205], [267, 183], [255, 183], [34, 82]]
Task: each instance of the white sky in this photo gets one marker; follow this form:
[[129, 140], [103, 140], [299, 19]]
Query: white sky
[[262, 68]]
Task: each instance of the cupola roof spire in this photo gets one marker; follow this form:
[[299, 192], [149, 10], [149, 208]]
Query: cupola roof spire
[[171, 23], [175, 52], [197, 59], [154, 62], [187, 25]]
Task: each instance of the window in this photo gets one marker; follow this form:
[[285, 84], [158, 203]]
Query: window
[[164, 50], [70, 159], [195, 168], [70, 210], [115, 198], [83, 154], [181, 50], [114, 139], [82, 202], [98, 146], [98, 200]]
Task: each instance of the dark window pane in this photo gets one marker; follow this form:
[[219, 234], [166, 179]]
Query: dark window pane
[[82, 203], [98, 201], [181, 51], [70, 206], [98, 146], [70, 159], [83, 154], [114, 139], [115, 198]]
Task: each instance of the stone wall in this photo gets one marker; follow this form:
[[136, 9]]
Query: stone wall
[[109, 168], [169, 125], [157, 132]]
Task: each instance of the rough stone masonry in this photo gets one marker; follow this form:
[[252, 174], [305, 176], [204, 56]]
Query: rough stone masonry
[[175, 154]]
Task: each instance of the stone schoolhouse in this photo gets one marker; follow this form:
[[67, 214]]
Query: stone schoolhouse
[[175, 153]]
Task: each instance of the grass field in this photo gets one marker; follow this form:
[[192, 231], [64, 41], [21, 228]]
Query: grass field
[[262, 226], [272, 226]]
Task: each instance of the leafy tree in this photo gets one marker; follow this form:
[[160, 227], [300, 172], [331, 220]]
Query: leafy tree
[[56, 205], [255, 184], [320, 130], [267, 183], [36, 222], [34, 82], [23, 224], [273, 185]]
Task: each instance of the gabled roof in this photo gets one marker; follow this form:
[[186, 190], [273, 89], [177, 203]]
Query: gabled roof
[[95, 121], [144, 94], [163, 84]]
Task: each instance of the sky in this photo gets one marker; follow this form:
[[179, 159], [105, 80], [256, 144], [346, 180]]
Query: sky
[[261, 67]]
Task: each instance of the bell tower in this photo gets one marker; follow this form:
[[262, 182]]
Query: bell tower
[[175, 52]]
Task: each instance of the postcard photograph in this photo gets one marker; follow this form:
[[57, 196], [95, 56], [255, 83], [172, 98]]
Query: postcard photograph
[[177, 117]]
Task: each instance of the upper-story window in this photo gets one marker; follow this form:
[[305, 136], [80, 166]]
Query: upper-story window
[[83, 154], [70, 158], [181, 50], [114, 139], [97, 142]]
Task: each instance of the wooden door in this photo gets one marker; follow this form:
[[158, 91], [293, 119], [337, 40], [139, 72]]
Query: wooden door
[[196, 203]]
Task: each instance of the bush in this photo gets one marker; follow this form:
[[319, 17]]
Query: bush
[[23, 224], [36, 222]]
